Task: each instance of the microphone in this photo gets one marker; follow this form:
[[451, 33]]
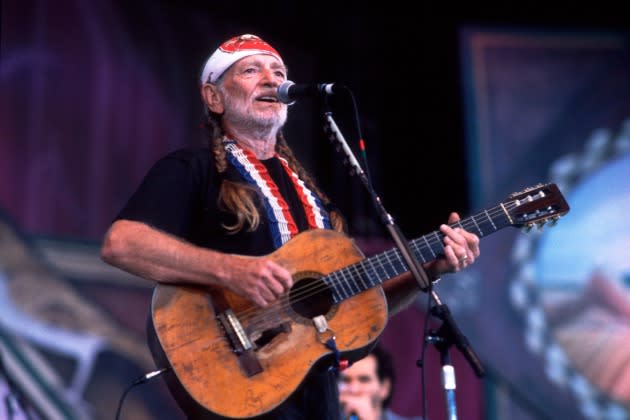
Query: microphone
[[289, 92]]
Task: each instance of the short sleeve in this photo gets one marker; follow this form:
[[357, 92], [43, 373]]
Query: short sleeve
[[169, 196]]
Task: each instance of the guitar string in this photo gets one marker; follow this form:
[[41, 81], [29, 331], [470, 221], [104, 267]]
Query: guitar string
[[361, 269], [389, 255], [277, 308], [339, 277]]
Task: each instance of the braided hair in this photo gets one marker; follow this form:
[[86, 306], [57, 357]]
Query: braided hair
[[238, 197]]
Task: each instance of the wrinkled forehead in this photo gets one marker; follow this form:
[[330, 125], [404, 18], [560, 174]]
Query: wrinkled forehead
[[233, 50], [257, 60]]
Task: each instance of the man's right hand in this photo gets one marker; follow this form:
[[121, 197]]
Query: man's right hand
[[152, 254], [258, 279]]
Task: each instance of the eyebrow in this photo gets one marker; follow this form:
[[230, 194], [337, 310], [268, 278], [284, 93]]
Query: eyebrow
[[275, 65]]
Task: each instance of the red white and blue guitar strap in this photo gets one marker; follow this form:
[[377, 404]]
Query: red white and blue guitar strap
[[280, 221]]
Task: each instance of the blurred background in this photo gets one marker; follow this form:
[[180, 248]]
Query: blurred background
[[460, 106]]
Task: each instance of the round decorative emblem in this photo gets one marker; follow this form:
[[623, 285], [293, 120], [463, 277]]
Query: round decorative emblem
[[572, 283]]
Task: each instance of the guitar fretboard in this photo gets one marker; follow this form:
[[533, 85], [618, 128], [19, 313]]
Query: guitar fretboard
[[373, 271]]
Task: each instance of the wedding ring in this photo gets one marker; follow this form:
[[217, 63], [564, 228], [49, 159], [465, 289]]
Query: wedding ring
[[463, 258]]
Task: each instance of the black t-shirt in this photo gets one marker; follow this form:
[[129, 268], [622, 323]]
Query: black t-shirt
[[179, 196]]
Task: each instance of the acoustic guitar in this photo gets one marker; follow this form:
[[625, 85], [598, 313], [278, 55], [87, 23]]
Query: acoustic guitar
[[230, 358]]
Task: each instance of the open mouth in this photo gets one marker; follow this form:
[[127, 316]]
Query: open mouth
[[270, 99]]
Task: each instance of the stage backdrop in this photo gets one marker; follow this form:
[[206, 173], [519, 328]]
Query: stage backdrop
[[93, 92], [552, 313]]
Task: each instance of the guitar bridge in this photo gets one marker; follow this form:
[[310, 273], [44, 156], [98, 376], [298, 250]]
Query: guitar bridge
[[241, 344], [235, 332]]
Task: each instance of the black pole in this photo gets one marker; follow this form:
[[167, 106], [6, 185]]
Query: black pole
[[448, 334]]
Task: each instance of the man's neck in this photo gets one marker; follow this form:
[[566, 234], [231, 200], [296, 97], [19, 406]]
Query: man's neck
[[263, 145]]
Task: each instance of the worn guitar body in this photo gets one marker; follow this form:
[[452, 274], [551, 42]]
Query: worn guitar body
[[208, 377], [233, 359]]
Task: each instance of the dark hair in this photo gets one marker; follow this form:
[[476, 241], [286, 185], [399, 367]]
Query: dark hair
[[384, 370]]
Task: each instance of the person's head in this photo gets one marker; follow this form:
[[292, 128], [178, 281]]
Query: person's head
[[239, 83], [373, 375]]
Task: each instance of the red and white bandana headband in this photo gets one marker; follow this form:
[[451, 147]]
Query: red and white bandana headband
[[233, 50], [281, 223]]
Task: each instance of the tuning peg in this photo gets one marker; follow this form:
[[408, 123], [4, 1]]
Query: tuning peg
[[553, 221], [540, 224], [528, 227]]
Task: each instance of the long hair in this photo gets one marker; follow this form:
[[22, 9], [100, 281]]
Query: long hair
[[238, 198]]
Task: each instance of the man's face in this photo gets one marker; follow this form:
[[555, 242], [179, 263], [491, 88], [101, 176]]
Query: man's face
[[249, 91], [360, 381]]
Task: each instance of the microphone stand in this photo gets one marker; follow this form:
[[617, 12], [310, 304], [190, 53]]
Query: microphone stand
[[448, 334]]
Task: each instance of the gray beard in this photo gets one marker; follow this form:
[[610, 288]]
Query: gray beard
[[245, 120]]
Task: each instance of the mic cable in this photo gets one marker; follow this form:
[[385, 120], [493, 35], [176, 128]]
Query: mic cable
[[362, 148], [140, 380]]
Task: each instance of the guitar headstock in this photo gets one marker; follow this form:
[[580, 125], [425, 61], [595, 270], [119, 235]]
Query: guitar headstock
[[536, 206]]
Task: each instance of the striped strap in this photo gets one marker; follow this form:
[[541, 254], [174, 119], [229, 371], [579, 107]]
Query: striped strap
[[281, 223], [315, 214]]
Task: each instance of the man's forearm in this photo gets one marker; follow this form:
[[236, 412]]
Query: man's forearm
[[149, 253]]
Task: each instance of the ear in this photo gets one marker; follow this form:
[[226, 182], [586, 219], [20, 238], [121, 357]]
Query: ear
[[385, 389], [212, 98]]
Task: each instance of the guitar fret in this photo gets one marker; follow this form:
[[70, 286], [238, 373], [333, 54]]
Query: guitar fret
[[365, 286], [366, 277], [429, 246], [489, 218], [476, 225], [382, 270], [344, 282], [372, 275], [395, 263], [489, 227], [351, 280], [400, 264], [352, 283], [439, 242], [339, 282], [337, 297], [334, 282], [389, 264], [417, 250]]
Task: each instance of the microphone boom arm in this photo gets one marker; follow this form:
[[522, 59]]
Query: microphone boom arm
[[449, 333], [403, 245]]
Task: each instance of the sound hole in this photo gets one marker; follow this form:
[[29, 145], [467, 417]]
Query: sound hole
[[311, 297]]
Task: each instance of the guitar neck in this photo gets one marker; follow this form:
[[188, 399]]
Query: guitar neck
[[373, 271]]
